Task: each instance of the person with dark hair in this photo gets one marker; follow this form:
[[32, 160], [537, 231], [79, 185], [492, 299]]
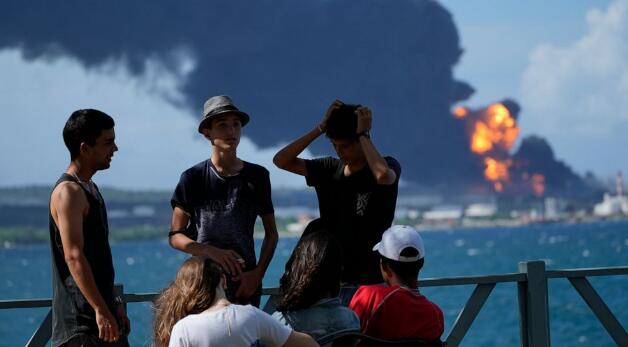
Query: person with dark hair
[[397, 310], [217, 201], [193, 311], [357, 191], [86, 310], [310, 287]]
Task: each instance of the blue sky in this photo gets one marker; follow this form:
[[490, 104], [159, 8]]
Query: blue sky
[[565, 62]]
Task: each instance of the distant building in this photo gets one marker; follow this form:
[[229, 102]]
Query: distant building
[[481, 210], [613, 205], [552, 208], [443, 213]]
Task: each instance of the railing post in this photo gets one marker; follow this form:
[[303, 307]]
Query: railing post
[[536, 313], [522, 290]]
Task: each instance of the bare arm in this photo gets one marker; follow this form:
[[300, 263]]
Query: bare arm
[[68, 206], [228, 259], [269, 244], [288, 157], [297, 339], [382, 173]]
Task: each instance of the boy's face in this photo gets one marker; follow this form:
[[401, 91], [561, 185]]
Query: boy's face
[[99, 155], [224, 131], [349, 151]]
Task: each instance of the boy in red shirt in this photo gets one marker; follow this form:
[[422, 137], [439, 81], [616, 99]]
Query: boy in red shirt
[[396, 310]]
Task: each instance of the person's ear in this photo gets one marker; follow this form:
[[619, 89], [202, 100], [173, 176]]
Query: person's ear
[[207, 134], [83, 148]]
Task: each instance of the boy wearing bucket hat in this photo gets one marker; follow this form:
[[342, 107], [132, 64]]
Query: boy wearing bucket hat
[[397, 310], [217, 201], [357, 191]]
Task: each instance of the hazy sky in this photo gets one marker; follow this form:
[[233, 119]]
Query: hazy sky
[[565, 62]]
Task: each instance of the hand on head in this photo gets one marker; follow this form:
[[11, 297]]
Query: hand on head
[[332, 107], [365, 119]]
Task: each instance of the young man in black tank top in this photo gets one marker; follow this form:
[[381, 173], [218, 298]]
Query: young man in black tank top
[[217, 201], [85, 309]]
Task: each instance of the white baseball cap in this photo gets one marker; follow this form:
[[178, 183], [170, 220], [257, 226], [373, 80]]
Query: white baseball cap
[[396, 239]]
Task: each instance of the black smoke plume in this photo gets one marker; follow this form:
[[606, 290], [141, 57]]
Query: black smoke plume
[[283, 61]]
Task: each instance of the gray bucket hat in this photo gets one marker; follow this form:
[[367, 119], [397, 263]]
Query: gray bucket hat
[[218, 105]]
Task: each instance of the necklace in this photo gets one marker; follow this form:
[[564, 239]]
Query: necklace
[[89, 186]]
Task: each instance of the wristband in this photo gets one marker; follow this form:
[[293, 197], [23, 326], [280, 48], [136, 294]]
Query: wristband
[[174, 232], [364, 133]]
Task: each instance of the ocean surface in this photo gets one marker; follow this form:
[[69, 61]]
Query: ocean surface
[[147, 266]]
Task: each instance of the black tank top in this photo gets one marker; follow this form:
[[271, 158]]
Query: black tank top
[[71, 313]]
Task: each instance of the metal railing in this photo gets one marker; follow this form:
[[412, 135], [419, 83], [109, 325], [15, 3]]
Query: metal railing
[[532, 295]]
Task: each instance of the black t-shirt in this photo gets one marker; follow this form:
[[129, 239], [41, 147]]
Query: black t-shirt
[[223, 209], [357, 210]]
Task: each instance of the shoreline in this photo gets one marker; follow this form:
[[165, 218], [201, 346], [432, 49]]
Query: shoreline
[[12, 237]]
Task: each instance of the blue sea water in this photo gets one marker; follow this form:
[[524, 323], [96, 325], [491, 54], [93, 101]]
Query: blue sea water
[[147, 266]]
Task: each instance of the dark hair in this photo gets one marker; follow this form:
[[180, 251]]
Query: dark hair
[[408, 272], [343, 122], [84, 126], [312, 272], [192, 291]]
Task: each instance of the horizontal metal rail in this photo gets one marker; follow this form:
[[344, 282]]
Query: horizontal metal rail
[[531, 293]]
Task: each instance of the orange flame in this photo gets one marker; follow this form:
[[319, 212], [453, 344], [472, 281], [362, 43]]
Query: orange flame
[[460, 112], [497, 129], [499, 187], [496, 170], [493, 132], [481, 139]]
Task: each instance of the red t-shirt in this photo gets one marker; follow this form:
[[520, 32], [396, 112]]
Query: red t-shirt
[[394, 312]]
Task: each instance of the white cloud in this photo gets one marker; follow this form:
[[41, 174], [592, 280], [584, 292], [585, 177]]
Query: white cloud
[[576, 95], [157, 140]]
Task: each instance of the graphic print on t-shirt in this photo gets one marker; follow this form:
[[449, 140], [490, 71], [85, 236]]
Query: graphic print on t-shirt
[[362, 200]]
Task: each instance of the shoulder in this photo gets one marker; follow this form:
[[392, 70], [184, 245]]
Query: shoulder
[[393, 163], [375, 289], [432, 304], [370, 293], [326, 160], [197, 169], [182, 329], [249, 309], [279, 316], [189, 319], [254, 168], [181, 326], [323, 162], [68, 193], [193, 173]]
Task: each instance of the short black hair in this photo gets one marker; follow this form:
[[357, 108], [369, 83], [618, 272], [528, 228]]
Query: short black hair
[[85, 126], [407, 271], [343, 123]]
